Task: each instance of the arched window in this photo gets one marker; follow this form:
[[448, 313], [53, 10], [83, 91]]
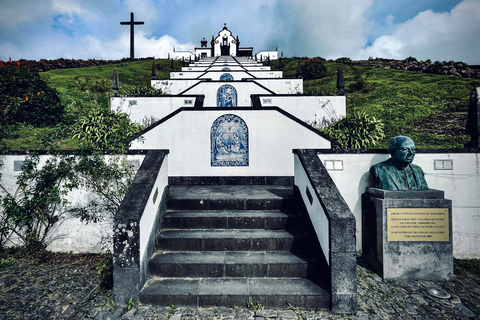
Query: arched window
[[226, 96], [229, 142], [226, 77]]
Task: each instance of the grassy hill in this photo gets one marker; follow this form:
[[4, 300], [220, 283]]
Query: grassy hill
[[432, 109]]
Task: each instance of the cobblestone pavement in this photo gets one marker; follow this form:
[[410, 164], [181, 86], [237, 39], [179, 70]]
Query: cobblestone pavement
[[377, 299], [66, 291]]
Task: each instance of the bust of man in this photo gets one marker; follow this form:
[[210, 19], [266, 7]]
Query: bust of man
[[398, 172]]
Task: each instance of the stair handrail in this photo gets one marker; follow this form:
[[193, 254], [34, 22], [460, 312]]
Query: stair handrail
[[136, 225], [334, 224]]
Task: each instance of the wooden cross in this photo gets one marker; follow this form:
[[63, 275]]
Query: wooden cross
[[131, 23]]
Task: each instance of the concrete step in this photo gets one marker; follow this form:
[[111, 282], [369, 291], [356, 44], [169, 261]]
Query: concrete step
[[231, 219], [234, 292], [228, 240], [231, 264], [230, 197]]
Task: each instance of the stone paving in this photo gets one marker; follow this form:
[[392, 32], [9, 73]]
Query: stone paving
[[66, 291], [377, 299]]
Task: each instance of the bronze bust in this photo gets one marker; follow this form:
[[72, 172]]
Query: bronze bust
[[398, 172]]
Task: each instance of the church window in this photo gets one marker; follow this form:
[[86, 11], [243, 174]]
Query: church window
[[226, 77], [229, 142], [226, 96]]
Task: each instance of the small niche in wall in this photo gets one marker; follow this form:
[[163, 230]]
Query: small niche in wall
[[188, 102], [17, 165], [443, 164], [334, 165], [267, 100], [132, 102], [134, 164]]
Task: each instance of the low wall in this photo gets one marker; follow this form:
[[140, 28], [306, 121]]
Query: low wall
[[69, 234], [311, 109], [334, 225], [457, 172], [137, 108], [136, 225], [188, 135]]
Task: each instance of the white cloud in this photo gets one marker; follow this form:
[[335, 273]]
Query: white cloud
[[328, 28], [438, 36]]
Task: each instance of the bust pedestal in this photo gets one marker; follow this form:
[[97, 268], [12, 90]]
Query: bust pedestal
[[408, 234]]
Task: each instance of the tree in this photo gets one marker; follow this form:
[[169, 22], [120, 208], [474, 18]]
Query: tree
[[40, 200], [42, 196], [27, 99]]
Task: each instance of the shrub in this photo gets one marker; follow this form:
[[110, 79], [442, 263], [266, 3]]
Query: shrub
[[314, 69], [104, 130], [359, 83], [358, 130], [145, 90], [27, 99], [40, 200], [42, 197]]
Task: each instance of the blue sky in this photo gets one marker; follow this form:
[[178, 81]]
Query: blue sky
[[83, 29]]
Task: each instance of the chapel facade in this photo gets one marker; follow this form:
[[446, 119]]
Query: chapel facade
[[224, 44]]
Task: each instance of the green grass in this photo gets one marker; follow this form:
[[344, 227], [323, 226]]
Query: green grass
[[429, 108], [409, 103]]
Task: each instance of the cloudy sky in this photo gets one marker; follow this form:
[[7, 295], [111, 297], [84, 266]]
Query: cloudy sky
[[83, 29]]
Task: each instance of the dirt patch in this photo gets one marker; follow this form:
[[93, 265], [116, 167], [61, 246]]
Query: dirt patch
[[446, 124]]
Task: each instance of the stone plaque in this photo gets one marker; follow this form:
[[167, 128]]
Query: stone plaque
[[418, 224]]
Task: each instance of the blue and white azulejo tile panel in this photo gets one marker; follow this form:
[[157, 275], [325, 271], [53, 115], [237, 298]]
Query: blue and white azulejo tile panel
[[226, 77], [226, 96], [229, 142]]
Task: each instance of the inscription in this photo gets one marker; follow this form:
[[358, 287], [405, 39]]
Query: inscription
[[418, 224]]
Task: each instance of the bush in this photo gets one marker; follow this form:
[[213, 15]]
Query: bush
[[40, 200], [314, 69], [42, 197], [27, 99], [359, 84], [104, 130], [358, 130], [144, 90]]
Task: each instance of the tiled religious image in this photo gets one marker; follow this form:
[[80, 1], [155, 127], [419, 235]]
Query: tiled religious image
[[229, 142], [226, 96], [226, 77]]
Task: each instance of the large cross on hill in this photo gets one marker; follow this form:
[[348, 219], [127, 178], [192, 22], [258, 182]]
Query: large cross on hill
[[131, 23]]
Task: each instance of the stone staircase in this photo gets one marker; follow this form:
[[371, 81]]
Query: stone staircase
[[224, 245]]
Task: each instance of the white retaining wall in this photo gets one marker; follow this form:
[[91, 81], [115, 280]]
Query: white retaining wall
[[461, 184], [283, 86], [244, 90], [141, 108], [187, 136], [173, 86], [70, 234], [309, 108]]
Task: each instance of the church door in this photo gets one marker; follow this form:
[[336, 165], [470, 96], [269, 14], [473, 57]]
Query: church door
[[225, 50]]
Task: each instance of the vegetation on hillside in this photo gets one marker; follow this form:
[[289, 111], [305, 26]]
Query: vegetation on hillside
[[430, 108]]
